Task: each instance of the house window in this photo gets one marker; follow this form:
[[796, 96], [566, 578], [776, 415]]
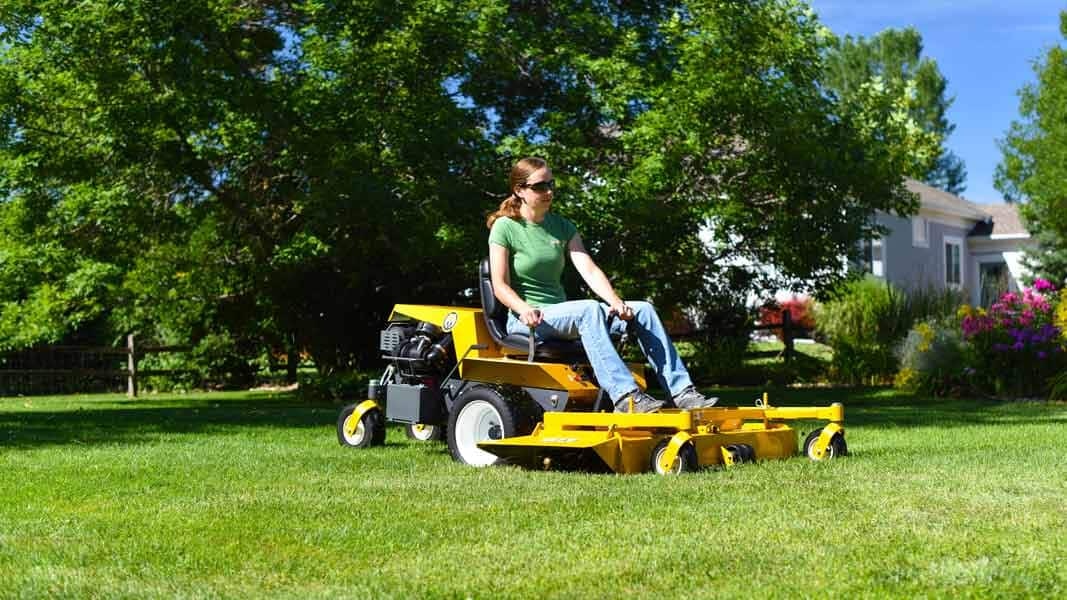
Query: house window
[[919, 228], [873, 258], [954, 262]]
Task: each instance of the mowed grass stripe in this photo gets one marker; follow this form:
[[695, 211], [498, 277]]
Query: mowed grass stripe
[[238, 495]]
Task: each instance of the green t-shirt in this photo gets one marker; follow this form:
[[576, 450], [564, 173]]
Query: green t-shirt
[[537, 252]]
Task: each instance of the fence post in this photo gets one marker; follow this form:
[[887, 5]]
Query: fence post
[[131, 367], [787, 334]]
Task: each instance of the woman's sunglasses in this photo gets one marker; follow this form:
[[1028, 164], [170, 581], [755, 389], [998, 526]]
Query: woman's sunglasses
[[541, 186]]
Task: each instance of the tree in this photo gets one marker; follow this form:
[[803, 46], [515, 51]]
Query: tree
[[1033, 170], [895, 58], [272, 176], [236, 169]]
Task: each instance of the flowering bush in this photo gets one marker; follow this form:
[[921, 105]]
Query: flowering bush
[[1017, 345], [930, 358]]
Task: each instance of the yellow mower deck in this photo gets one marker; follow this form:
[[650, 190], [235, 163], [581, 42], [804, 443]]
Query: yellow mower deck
[[633, 443]]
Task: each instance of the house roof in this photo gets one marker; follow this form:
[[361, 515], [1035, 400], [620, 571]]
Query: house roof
[[1005, 220], [933, 199]]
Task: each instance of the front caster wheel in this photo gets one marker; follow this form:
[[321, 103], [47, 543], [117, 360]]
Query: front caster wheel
[[835, 449], [362, 432], [424, 433], [685, 462]]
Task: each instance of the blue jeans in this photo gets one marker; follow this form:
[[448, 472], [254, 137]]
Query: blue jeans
[[587, 320]]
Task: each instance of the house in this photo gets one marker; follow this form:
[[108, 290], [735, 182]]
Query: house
[[951, 242]]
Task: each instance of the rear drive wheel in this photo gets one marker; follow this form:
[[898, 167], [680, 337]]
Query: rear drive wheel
[[836, 449], [684, 463], [481, 413], [424, 433], [368, 431]]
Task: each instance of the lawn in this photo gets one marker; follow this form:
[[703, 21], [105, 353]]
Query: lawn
[[249, 495]]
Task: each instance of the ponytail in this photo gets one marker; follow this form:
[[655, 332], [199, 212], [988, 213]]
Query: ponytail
[[508, 208], [519, 173]]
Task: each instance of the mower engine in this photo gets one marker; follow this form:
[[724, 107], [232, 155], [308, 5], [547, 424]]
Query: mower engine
[[417, 350], [420, 356]]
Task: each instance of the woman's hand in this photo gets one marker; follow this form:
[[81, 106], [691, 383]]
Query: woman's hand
[[530, 318], [623, 311]]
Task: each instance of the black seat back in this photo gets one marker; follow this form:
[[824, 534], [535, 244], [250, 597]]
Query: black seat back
[[496, 319], [496, 314]]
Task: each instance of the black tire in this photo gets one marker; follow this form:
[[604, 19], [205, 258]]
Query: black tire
[[836, 449], [686, 463], [369, 432], [424, 433], [741, 453], [481, 413]]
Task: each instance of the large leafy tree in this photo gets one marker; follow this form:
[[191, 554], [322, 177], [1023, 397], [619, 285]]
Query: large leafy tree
[[703, 117], [271, 172], [276, 174], [1034, 167], [895, 58]]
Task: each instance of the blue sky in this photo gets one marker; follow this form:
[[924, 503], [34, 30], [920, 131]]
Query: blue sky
[[984, 48]]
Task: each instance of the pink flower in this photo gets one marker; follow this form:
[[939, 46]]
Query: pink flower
[[1043, 285], [1041, 305]]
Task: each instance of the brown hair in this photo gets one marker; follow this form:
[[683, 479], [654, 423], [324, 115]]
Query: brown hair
[[519, 174]]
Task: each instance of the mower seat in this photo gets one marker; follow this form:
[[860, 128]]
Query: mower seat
[[496, 319]]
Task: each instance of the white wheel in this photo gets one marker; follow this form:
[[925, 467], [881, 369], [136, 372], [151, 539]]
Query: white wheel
[[358, 436], [836, 449], [477, 421], [424, 433], [685, 462], [362, 432]]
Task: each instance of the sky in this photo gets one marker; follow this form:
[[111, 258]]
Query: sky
[[984, 48]]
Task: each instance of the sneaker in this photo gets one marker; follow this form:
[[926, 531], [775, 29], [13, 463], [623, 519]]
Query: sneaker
[[690, 398], [643, 403]]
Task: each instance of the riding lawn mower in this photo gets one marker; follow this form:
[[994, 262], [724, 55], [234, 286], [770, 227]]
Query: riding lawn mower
[[454, 373]]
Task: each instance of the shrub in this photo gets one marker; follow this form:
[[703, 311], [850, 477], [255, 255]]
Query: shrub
[[867, 319], [1058, 387], [1016, 346], [931, 358], [725, 327], [801, 313], [338, 387]]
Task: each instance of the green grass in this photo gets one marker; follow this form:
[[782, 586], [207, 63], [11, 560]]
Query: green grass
[[249, 495]]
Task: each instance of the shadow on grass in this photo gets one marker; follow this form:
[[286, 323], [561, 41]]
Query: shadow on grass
[[119, 421], [137, 421]]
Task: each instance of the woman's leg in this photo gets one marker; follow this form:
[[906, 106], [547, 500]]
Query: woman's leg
[[585, 320], [657, 346]]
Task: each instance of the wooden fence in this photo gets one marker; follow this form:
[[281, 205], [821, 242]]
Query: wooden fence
[[74, 369], [788, 328], [789, 332]]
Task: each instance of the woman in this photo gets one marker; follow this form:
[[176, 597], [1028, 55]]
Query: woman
[[527, 242]]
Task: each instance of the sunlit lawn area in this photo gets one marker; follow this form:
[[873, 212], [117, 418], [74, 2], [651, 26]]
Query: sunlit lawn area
[[249, 495]]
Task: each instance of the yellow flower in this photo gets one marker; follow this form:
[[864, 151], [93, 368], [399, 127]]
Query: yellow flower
[[926, 335], [1061, 313], [964, 311], [906, 379]]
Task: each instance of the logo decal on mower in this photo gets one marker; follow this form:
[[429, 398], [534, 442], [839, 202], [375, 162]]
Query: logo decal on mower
[[450, 321]]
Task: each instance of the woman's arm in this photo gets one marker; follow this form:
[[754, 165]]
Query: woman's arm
[[595, 278], [501, 276]]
